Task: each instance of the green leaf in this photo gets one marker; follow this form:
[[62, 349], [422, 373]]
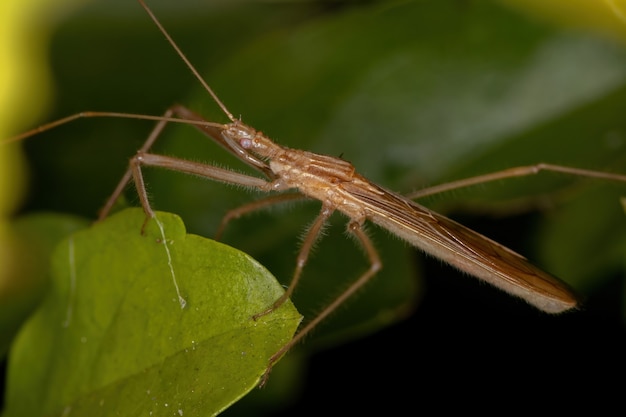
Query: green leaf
[[111, 335]]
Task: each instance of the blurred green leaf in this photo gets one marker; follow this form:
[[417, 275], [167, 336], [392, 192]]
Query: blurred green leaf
[[111, 335]]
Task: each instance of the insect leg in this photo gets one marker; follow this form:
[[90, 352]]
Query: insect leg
[[354, 227]]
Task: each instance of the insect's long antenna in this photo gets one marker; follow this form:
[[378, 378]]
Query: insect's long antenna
[[187, 62]]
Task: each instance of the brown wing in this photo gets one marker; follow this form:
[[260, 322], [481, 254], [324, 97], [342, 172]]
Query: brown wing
[[463, 248]]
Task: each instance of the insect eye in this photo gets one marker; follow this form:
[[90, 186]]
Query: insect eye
[[246, 143]]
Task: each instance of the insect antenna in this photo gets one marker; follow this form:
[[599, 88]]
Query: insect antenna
[[187, 62]]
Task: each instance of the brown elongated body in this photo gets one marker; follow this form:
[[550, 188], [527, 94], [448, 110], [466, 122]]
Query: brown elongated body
[[471, 252], [336, 183]]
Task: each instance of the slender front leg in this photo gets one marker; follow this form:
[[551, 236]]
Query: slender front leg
[[354, 227], [194, 168], [214, 131], [156, 132], [188, 167]]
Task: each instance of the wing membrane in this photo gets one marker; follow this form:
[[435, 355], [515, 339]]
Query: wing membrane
[[463, 248]]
